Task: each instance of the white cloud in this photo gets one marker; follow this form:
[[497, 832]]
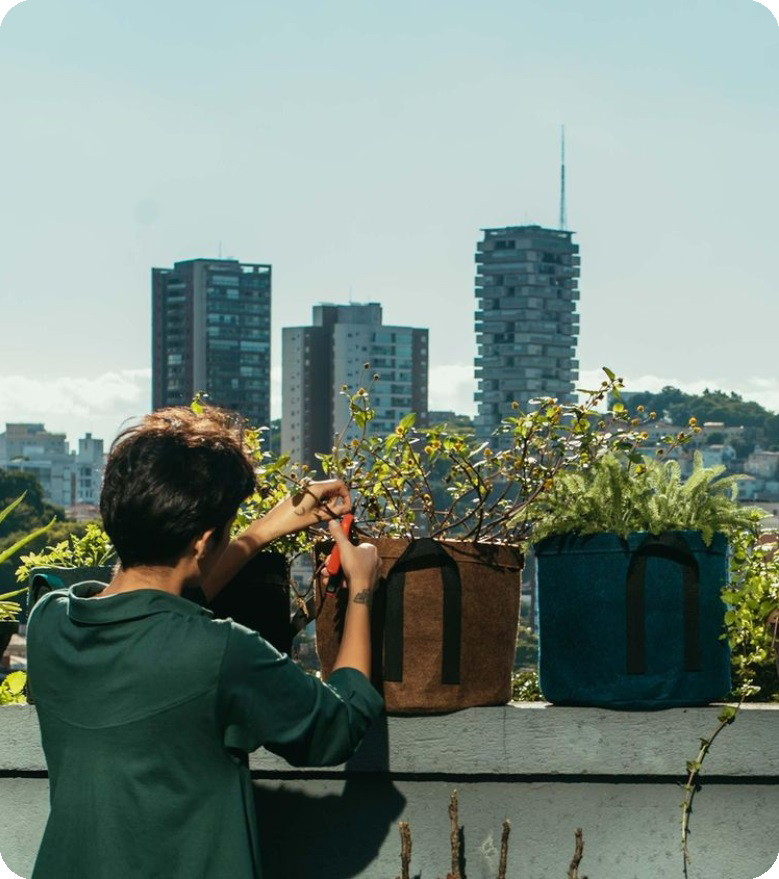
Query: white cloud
[[77, 405], [451, 387]]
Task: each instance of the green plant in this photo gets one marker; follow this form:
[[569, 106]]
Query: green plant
[[12, 689], [428, 481], [624, 491], [752, 597], [22, 541], [12, 686], [525, 687], [92, 549], [726, 716]]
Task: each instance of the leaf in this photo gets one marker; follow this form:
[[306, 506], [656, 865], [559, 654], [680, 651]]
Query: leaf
[[7, 553], [12, 688], [11, 507], [407, 421]]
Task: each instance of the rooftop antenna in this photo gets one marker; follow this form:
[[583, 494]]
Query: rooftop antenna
[[563, 219]]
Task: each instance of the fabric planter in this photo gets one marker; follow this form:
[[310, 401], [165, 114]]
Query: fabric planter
[[258, 597], [444, 623], [634, 624]]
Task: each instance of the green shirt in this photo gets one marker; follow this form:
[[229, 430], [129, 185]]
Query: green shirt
[[148, 707]]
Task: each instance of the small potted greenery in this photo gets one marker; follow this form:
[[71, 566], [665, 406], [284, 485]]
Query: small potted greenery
[[632, 562]]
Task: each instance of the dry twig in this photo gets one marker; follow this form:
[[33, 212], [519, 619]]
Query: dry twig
[[405, 849], [454, 836], [573, 870], [504, 849]]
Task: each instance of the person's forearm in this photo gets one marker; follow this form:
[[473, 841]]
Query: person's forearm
[[355, 649]]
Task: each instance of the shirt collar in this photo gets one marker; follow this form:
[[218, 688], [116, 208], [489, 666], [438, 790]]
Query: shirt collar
[[122, 606]]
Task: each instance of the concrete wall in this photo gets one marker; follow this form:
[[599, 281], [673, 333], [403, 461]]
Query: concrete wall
[[547, 769]]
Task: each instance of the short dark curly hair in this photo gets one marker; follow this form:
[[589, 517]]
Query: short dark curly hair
[[171, 477]]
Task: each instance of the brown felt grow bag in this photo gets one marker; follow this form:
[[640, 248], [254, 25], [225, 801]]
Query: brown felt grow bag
[[444, 624]]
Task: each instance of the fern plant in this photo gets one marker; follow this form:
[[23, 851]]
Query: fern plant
[[622, 493]]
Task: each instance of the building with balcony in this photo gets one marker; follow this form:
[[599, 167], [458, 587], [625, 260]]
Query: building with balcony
[[211, 334], [526, 321], [319, 360]]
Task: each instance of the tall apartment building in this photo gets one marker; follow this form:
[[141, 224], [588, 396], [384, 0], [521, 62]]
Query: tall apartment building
[[318, 360], [526, 320], [211, 333], [69, 479]]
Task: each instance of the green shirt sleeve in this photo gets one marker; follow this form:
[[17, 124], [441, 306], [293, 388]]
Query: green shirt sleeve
[[267, 700]]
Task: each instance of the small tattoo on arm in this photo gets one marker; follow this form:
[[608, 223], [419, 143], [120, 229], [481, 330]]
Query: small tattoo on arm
[[363, 597]]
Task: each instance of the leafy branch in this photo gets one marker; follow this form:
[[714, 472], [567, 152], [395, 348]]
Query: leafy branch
[[726, 717]]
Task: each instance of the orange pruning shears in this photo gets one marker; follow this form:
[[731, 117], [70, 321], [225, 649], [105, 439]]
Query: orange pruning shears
[[333, 561]]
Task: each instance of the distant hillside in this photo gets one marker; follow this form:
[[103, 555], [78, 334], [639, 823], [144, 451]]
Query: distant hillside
[[678, 407]]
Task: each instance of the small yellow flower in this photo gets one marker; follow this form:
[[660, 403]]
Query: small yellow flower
[[692, 422], [640, 408]]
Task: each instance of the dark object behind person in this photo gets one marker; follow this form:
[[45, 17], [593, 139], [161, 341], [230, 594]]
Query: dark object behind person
[[148, 706], [258, 597]]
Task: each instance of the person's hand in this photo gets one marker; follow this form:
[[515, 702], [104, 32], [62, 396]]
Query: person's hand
[[360, 564], [321, 501], [314, 502]]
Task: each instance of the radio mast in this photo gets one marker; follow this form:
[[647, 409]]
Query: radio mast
[[563, 219]]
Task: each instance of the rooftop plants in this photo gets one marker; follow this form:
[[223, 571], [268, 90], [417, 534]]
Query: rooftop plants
[[622, 492], [426, 480], [12, 686]]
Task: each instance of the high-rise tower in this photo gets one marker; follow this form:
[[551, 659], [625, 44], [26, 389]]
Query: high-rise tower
[[526, 320], [318, 360], [211, 333]]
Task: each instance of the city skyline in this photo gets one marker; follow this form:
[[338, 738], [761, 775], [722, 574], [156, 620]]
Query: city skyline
[[309, 146]]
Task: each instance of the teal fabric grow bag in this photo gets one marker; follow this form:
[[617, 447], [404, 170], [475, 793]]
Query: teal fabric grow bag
[[634, 623]]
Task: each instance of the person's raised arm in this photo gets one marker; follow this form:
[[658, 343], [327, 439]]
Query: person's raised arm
[[315, 502]]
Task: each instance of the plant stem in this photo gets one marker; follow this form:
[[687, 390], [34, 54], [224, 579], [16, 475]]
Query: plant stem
[[405, 849], [504, 849], [694, 767], [573, 869], [454, 836]]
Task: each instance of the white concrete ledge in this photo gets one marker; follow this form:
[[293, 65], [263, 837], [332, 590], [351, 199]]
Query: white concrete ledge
[[518, 740]]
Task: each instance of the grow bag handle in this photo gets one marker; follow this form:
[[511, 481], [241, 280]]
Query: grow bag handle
[[423, 554], [674, 548]]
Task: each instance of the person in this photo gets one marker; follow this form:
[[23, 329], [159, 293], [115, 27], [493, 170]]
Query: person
[[148, 706]]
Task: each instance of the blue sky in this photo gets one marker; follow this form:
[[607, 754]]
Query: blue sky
[[359, 147]]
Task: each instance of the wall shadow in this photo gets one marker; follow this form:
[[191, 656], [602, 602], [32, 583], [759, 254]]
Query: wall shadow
[[330, 836]]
